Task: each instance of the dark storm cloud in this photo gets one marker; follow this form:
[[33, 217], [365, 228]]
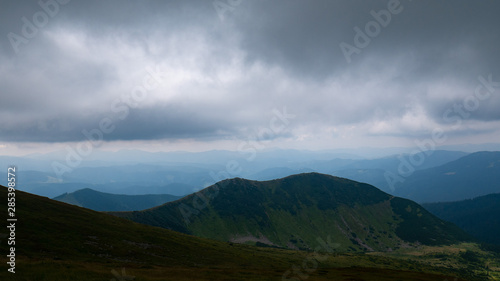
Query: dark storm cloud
[[226, 76], [305, 35], [158, 122]]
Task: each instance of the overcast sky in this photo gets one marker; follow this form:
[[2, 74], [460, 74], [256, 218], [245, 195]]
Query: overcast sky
[[191, 75]]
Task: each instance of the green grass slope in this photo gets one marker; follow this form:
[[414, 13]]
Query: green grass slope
[[292, 212], [57, 241], [479, 216], [100, 201]]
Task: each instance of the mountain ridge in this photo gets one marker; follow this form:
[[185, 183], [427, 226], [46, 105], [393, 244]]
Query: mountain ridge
[[57, 241], [291, 212], [102, 201], [478, 216], [470, 176]]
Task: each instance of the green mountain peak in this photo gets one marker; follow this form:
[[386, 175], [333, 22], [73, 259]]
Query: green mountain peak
[[295, 211]]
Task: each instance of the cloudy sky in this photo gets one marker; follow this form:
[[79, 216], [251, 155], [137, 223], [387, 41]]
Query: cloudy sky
[[201, 75]]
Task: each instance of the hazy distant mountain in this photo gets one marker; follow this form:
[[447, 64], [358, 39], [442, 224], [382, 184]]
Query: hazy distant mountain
[[177, 189], [138, 172], [473, 147], [391, 163], [25, 163], [471, 176], [276, 173], [55, 189], [373, 171], [128, 179], [388, 163], [375, 177], [99, 201], [294, 211], [479, 216]]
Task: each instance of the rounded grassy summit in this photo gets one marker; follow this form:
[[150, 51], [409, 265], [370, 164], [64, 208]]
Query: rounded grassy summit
[[298, 211]]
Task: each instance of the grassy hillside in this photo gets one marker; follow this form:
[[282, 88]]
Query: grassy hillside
[[100, 201], [56, 241], [479, 216], [292, 212]]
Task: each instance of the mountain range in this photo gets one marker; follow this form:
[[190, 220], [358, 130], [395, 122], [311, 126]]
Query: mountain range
[[179, 173], [57, 241], [478, 216], [292, 212], [440, 176], [473, 175], [100, 201]]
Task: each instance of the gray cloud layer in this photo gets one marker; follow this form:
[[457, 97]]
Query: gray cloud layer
[[223, 78]]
